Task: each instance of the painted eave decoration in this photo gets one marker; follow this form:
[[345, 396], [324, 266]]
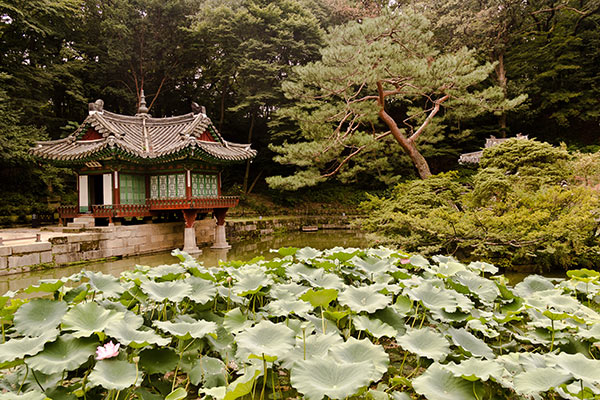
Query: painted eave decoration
[[143, 139]]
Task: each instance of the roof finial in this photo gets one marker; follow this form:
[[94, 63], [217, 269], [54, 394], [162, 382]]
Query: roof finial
[[143, 109]]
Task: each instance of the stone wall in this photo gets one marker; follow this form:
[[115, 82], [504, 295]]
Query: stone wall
[[100, 242], [122, 241]]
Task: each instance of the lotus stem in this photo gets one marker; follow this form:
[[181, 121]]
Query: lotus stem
[[304, 341], [22, 383], [415, 317], [262, 392], [423, 319], [36, 380], [322, 320], [273, 379], [117, 395], [3, 333], [475, 391], [581, 384], [403, 360], [552, 340]]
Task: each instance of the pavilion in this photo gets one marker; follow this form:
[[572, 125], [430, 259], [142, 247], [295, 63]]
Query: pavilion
[[140, 166]]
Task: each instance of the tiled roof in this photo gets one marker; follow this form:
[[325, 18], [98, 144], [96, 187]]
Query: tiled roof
[[475, 157], [143, 138]]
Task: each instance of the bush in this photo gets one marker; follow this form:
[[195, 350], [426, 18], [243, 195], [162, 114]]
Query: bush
[[514, 211]]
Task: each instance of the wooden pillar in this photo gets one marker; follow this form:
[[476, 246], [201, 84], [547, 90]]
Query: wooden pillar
[[220, 236], [188, 184], [116, 190], [189, 234]]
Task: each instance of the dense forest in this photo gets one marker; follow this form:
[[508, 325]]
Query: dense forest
[[507, 67]]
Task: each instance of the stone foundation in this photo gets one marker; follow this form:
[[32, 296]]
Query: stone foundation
[[121, 241]]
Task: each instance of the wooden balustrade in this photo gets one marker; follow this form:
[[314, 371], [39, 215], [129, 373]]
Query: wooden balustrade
[[143, 210]]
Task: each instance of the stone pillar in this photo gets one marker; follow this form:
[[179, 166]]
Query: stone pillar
[[189, 235], [220, 237]]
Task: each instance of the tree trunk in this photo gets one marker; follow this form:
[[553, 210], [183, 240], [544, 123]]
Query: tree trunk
[[501, 78], [247, 173], [222, 108]]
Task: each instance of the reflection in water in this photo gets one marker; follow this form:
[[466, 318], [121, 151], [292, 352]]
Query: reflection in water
[[244, 250]]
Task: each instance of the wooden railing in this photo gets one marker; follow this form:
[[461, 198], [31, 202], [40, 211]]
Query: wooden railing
[[139, 210]]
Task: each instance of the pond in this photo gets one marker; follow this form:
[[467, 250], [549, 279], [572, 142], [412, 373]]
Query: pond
[[244, 250]]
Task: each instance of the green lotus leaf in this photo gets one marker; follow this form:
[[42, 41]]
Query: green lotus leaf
[[320, 298], [39, 316], [65, 354], [283, 308], [479, 266], [23, 396], [224, 343], [403, 305], [312, 346], [177, 394], [384, 252], [484, 288], [209, 371], [307, 253], [107, 284], [236, 321], [342, 255], [326, 265], [59, 392], [287, 251], [438, 384], [15, 349], [473, 369], [583, 274], [433, 297], [356, 351], [419, 261], [174, 291], [470, 343], [591, 333], [187, 327], [451, 268], [87, 318], [266, 338], [425, 343], [242, 385], [363, 298], [532, 284], [317, 324], [534, 381], [555, 316], [392, 317], [318, 378], [322, 279], [203, 290], [479, 326], [166, 272], [48, 286], [374, 327], [287, 291], [373, 265], [113, 374], [158, 361], [183, 256], [251, 282], [579, 366], [131, 335]]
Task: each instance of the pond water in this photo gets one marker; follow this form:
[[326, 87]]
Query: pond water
[[244, 250]]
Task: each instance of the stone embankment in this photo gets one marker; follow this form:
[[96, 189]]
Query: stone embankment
[[67, 246]]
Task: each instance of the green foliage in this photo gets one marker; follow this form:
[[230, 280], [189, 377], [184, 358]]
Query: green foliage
[[519, 208], [441, 330]]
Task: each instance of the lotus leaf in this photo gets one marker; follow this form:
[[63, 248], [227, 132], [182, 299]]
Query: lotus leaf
[[209, 371], [532, 284], [203, 290], [433, 297], [251, 282], [235, 321], [48, 286], [266, 338], [373, 265], [174, 291], [363, 298], [186, 328], [356, 351], [282, 308], [14, 349], [158, 361], [320, 298], [375, 327], [485, 289], [419, 261], [317, 378], [39, 316], [438, 384], [425, 343], [166, 272], [287, 251], [113, 374], [177, 394], [23, 396], [470, 343], [539, 380], [322, 279], [65, 354], [312, 346], [307, 253], [131, 335], [317, 323], [287, 291], [480, 266], [451, 268], [85, 319], [107, 284], [474, 368], [579, 366]]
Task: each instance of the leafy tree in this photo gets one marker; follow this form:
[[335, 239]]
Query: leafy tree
[[381, 69]]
